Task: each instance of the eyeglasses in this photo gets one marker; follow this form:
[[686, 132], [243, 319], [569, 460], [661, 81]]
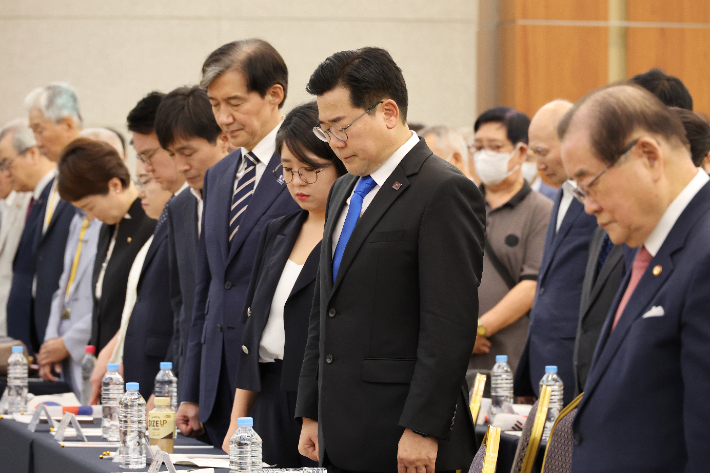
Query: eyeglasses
[[141, 183], [581, 191], [307, 174], [339, 132], [147, 156]]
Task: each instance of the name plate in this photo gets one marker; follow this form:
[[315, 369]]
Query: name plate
[[69, 419], [39, 412], [159, 459]]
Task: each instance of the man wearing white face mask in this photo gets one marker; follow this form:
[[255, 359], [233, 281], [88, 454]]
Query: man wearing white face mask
[[516, 221]]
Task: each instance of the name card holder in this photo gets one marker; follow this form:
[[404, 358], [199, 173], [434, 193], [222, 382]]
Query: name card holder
[[4, 401], [69, 419], [39, 412], [161, 458]]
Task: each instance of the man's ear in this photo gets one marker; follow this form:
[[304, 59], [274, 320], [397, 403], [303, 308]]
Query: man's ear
[[390, 111]]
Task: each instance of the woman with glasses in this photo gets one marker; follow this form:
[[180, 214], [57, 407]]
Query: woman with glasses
[[279, 298]]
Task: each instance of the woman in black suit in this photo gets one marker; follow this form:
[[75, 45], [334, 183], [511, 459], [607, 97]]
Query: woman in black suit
[[93, 177], [280, 295]]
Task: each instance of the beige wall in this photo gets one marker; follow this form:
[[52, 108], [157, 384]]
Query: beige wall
[[115, 52]]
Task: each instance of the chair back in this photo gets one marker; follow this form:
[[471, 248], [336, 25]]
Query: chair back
[[487, 455], [477, 395], [558, 455], [524, 441], [530, 441]]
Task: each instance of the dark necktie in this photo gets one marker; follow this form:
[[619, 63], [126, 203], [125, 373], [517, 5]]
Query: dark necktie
[[242, 196], [607, 245], [29, 208], [364, 186]]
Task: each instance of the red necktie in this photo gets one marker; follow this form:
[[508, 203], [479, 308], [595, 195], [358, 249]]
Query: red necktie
[[29, 208], [643, 258]]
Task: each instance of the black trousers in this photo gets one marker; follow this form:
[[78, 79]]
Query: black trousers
[[274, 421], [217, 425]]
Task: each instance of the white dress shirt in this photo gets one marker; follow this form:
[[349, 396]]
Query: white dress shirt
[[655, 240], [200, 205], [566, 201], [263, 151], [273, 338], [379, 176]]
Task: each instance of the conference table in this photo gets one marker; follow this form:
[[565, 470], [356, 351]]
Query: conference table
[[22, 451]]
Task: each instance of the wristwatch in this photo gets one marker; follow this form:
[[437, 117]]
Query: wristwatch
[[481, 330]]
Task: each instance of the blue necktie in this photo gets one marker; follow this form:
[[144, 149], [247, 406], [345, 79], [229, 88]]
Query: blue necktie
[[607, 245], [242, 196], [364, 186]]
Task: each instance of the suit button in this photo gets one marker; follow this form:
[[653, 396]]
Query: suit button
[[329, 358], [541, 291], [245, 349], [577, 438], [228, 285], [248, 311], [219, 327], [331, 313]]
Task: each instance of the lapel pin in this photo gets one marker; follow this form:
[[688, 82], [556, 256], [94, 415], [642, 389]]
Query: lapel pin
[[281, 181], [130, 239], [657, 270], [396, 185]]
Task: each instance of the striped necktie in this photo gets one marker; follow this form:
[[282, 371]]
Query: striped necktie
[[242, 195]]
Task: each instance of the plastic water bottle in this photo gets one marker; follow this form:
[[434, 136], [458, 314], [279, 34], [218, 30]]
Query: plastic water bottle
[[111, 394], [245, 448], [166, 384], [87, 367], [501, 385], [132, 428], [17, 381], [556, 398]]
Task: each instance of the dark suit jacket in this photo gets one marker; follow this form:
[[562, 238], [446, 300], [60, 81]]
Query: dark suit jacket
[[150, 329], [389, 341], [182, 256], [41, 255], [132, 234], [555, 311], [645, 403], [598, 293], [222, 278], [276, 244]]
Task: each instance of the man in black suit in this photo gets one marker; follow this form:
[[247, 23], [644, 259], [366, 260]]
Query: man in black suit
[[390, 336]]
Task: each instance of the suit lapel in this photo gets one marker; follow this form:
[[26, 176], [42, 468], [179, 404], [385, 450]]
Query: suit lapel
[[550, 236], [610, 264], [264, 195], [225, 184], [337, 203], [158, 237], [308, 272], [574, 210]]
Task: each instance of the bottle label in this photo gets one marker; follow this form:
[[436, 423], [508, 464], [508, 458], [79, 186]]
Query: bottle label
[[161, 425]]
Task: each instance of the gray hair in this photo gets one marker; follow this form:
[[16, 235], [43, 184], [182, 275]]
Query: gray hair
[[56, 101], [22, 136], [449, 140], [107, 136]]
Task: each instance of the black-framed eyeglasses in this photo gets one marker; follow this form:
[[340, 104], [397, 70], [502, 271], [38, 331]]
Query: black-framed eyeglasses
[[337, 131], [147, 156], [581, 191], [308, 174]]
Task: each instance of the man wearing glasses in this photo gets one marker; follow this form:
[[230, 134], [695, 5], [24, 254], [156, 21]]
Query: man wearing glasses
[[555, 312], [246, 83], [391, 335], [644, 407]]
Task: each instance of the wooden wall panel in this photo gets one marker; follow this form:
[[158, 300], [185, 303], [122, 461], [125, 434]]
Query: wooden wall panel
[[552, 62], [680, 11], [553, 10], [682, 52]]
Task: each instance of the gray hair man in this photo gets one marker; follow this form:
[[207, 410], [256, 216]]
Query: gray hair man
[[55, 117], [449, 145]]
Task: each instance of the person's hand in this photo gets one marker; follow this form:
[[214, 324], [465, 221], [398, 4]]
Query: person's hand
[[97, 376], [52, 351], [230, 432], [45, 371], [416, 454], [188, 419], [482, 346], [149, 406], [308, 443]]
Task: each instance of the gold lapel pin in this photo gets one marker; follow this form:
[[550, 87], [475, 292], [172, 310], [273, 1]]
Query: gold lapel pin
[[130, 239], [657, 270]]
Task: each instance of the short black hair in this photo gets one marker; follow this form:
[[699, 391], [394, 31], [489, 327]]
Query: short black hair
[[669, 89], [184, 113], [296, 133], [259, 62], [516, 123], [141, 119], [697, 129], [370, 74]]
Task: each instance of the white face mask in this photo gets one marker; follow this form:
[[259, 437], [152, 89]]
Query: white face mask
[[529, 171], [492, 167]]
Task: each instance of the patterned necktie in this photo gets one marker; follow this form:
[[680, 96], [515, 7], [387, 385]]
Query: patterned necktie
[[364, 186], [641, 261], [607, 245], [163, 214], [242, 196]]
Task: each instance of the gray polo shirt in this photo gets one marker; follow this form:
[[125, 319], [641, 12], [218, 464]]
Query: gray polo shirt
[[516, 231]]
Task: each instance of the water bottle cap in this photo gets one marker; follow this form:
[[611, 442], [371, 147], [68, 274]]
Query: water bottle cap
[[551, 369], [112, 367], [501, 358], [162, 401], [245, 422], [90, 349], [18, 349], [166, 365], [132, 386]]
